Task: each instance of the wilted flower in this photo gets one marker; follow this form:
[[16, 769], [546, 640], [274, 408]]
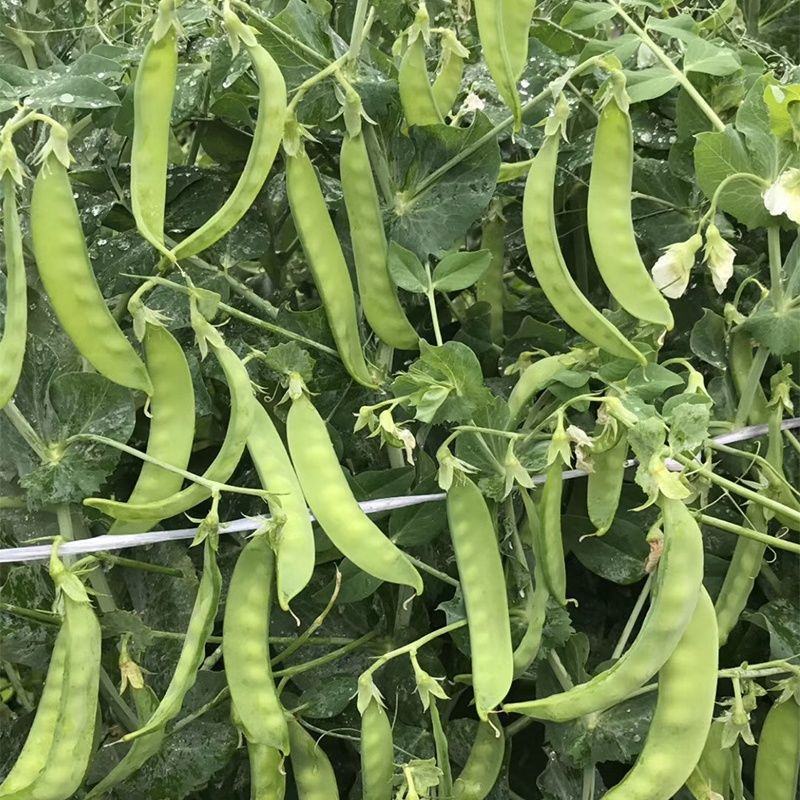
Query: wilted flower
[[719, 256], [783, 197], [671, 271]]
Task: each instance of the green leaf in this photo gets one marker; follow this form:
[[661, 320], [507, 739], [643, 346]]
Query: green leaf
[[652, 381], [649, 83], [330, 697], [457, 271], [73, 91], [777, 330], [407, 270], [585, 16], [707, 339], [702, 56]]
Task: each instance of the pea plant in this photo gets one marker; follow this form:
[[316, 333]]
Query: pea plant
[[399, 400]]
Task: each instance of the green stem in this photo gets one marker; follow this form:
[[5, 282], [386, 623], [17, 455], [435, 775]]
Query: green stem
[[316, 78], [144, 566], [26, 431], [297, 669], [633, 618], [248, 294], [431, 295], [357, 33], [721, 186], [775, 266], [752, 382], [750, 533], [771, 471], [680, 76], [443, 577]]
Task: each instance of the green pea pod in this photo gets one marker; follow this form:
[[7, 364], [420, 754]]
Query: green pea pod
[[15, 324], [535, 614], [66, 273], [171, 424], [778, 755], [267, 136], [245, 634], [153, 93], [447, 83], [687, 685], [328, 494], [610, 222], [678, 581], [325, 257], [140, 751], [483, 765], [220, 469], [740, 576], [295, 541], [377, 753], [65, 763], [416, 95], [712, 773], [537, 377], [511, 171], [33, 756], [548, 542], [740, 358], [503, 27], [192, 653], [370, 250], [313, 773], [604, 485], [541, 238], [483, 585], [267, 776], [490, 285]]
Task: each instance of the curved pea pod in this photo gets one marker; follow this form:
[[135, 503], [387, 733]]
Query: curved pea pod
[[604, 484], [171, 424], [33, 756], [416, 95], [267, 137], [267, 775], [295, 540], [153, 93], [541, 238], [66, 273], [220, 469], [678, 582], [201, 622], [687, 685], [545, 527], [245, 634], [15, 323], [778, 755], [484, 762], [610, 222], [532, 380], [325, 257], [313, 774], [504, 27], [328, 494], [66, 761], [740, 577], [483, 585], [447, 83], [489, 288], [377, 753], [378, 294]]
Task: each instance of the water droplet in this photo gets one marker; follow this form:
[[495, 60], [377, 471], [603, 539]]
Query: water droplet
[[66, 97]]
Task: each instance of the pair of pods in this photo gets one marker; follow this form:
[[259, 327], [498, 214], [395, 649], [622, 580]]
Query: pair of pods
[[56, 753]]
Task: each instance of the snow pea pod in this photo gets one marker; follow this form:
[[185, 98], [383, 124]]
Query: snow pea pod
[[712, 773], [447, 83], [171, 424], [503, 28], [416, 94], [483, 585], [378, 294], [192, 653], [325, 257], [313, 773], [220, 469], [610, 223], [604, 484], [778, 755], [153, 93], [328, 494], [295, 541], [549, 545], [541, 238], [66, 273], [267, 136], [15, 323], [245, 634], [484, 762], [267, 776], [489, 288], [678, 581], [687, 685], [377, 753]]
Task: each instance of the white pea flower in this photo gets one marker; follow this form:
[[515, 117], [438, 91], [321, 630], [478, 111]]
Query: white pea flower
[[783, 197], [671, 272], [719, 256]]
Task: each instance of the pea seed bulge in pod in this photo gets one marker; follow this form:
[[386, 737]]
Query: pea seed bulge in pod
[[399, 400]]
